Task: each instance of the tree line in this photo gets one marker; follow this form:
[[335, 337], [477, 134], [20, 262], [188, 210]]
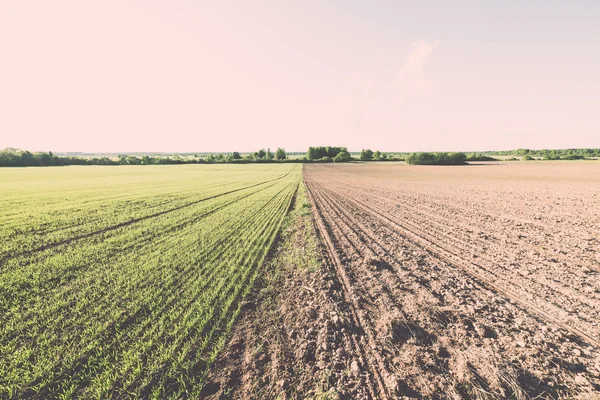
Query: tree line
[[341, 154], [18, 158], [552, 154], [21, 158]]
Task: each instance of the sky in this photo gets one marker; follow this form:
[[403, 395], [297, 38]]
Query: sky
[[191, 75]]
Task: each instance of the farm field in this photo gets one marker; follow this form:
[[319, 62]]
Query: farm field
[[368, 280], [479, 281], [124, 281]]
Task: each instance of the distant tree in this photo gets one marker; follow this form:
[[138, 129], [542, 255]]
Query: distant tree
[[480, 157], [573, 157], [9, 158], [133, 160], [236, 155], [261, 154], [45, 159], [316, 153], [342, 156], [27, 158], [280, 154], [366, 155], [269, 155]]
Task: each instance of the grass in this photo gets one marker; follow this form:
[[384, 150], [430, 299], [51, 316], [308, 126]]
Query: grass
[[125, 282]]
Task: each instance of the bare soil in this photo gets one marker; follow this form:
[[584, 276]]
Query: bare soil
[[480, 281]]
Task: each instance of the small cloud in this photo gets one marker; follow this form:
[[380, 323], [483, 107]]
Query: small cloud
[[411, 79]]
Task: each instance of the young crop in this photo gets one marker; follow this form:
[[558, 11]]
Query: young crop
[[120, 283]]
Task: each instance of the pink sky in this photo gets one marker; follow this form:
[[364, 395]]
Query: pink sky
[[104, 76]]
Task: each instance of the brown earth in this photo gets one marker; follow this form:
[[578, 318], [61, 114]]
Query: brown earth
[[479, 281]]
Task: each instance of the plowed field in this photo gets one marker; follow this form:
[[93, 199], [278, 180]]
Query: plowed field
[[476, 281]]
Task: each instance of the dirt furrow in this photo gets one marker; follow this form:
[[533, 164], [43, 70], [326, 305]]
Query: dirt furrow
[[482, 246], [564, 299], [551, 243], [476, 270], [443, 215], [379, 388], [456, 317], [440, 327], [552, 306]]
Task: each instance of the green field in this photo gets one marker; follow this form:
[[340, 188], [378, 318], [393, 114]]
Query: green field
[[124, 281]]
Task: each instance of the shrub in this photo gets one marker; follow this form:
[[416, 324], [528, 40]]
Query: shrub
[[573, 157], [437, 159], [480, 157], [342, 156], [366, 155]]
